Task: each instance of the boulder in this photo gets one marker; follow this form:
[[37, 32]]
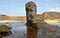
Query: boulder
[[4, 30]]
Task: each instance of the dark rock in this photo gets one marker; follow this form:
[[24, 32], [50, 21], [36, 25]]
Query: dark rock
[[4, 30]]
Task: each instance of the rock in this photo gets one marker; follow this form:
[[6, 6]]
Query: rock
[[58, 37], [4, 30], [31, 13], [0, 36]]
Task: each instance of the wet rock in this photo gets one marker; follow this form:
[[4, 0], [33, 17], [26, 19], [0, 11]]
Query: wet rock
[[4, 30]]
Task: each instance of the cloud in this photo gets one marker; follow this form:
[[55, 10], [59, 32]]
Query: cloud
[[54, 10]]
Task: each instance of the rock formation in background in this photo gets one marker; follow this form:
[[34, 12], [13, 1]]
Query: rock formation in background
[[37, 18], [51, 15], [13, 18]]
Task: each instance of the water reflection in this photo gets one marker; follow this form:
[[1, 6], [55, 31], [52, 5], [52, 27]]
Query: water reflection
[[19, 30]]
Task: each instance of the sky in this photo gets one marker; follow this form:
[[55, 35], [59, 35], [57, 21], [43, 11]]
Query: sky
[[17, 7]]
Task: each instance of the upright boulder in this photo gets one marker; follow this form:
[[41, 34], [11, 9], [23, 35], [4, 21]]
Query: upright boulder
[[31, 11]]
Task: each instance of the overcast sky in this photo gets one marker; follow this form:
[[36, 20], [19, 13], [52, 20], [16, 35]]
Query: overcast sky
[[17, 7]]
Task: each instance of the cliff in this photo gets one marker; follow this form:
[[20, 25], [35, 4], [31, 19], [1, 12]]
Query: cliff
[[14, 18], [38, 18], [51, 15]]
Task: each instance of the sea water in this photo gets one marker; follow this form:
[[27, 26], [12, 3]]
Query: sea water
[[56, 24], [19, 30]]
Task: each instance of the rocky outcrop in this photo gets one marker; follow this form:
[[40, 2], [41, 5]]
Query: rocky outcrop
[[14, 18], [17, 18], [38, 17], [46, 16], [4, 30], [30, 12], [51, 15]]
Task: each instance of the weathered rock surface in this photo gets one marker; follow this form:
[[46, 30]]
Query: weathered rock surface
[[51, 15], [4, 30], [48, 31]]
